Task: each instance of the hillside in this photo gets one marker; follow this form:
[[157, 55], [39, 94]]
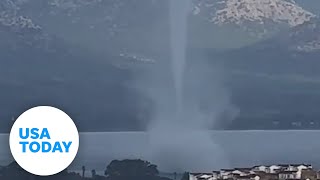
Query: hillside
[[84, 56]]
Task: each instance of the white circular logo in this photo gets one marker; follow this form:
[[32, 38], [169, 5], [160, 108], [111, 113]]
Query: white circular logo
[[44, 140]]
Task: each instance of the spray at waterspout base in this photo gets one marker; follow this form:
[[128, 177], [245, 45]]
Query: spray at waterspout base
[[180, 151]]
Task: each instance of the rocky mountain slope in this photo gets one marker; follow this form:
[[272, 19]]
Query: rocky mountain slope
[[98, 21], [257, 16], [303, 39]]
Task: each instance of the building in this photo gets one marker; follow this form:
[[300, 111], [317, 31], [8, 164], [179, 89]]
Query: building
[[226, 174], [274, 168], [262, 172], [248, 177], [267, 176], [260, 168], [285, 175], [202, 176], [238, 172]]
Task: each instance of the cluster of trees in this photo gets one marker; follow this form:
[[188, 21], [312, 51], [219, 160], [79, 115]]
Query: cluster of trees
[[117, 170]]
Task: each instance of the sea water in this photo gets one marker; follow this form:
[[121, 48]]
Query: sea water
[[243, 148]]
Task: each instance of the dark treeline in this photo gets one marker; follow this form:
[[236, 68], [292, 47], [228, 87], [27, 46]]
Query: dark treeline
[[116, 170]]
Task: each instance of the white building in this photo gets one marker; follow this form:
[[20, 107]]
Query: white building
[[260, 168], [293, 171], [226, 173], [239, 173], [203, 176], [273, 168], [215, 174], [303, 166], [248, 177], [289, 175]]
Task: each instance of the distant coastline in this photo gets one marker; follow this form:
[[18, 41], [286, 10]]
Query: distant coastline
[[225, 131]]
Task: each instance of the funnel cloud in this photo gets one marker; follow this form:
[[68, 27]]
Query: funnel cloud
[[189, 100]]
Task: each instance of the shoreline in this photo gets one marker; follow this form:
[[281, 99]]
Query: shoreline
[[224, 131]]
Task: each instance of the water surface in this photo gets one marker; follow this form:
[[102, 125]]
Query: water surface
[[242, 148]]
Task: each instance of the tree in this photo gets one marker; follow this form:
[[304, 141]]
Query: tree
[[185, 176], [135, 167], [83, 170]]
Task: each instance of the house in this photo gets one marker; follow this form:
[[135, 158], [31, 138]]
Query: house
[[288, 175], [274, 168], [295, 167], [226, 173], [292, 168], [259, 168], [267, 176], [273, 172], [192, 176], [303, 166], [226, 170], [247, 177], [237, 172], [247, 170], [201, 176], [205, 177], [215, 174]]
